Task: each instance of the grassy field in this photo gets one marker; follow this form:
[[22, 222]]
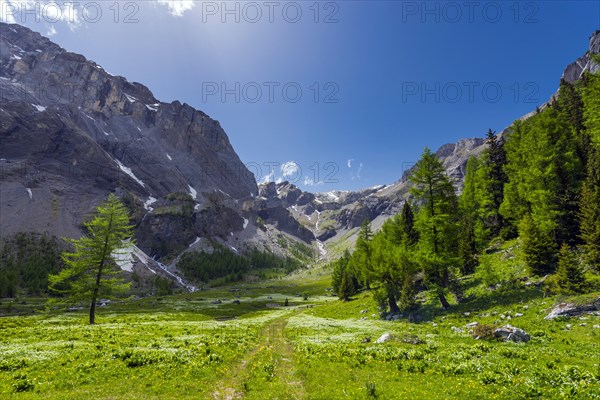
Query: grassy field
[[187, 346]]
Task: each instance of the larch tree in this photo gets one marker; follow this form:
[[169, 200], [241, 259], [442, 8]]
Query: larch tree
[[91, 269], [436, 221]]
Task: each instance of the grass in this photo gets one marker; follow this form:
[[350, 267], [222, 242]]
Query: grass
[[186, 346]]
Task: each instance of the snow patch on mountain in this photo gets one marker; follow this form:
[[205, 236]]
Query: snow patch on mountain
[[128, 171], [151, 200], [193, 192]]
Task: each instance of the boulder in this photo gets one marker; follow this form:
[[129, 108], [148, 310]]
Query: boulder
[[511, 333], [571, 310], [384, 338], [472, 324]]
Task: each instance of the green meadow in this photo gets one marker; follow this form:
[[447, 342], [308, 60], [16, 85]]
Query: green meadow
[[317, 347]]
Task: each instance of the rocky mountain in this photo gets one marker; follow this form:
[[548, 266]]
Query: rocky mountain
[[575, 70], [334, 217], [70, 133]]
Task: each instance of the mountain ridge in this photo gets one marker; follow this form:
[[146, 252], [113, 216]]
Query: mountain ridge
[[72, 133]]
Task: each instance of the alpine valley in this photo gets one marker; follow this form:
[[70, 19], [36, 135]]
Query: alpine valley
[[72, 133], [140, 258]]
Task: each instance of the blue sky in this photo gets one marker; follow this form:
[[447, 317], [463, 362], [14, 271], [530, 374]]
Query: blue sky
[[342, 95]]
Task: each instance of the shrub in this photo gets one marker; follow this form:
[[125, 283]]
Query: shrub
[[484, 331], [22, 384]]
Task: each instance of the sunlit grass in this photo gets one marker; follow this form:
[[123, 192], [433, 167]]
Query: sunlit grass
[[187, 345]]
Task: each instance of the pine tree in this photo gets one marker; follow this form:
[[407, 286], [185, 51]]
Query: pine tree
[[589, 215], [436, 221], [468, 209], [432, 187], [392, 264], [538, 248], [491, 181], [344, 283], [407, 225], [569, 275], [467, 249], [91, 269], [361, 258], [346, 288], [571, 103]]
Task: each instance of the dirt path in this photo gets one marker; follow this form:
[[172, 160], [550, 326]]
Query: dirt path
[[283, 383]]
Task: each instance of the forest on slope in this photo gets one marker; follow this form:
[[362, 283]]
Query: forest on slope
[[538, 184]]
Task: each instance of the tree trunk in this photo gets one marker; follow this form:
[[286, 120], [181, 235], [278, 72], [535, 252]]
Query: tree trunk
[[445, 304], [99, 275], [93, 307], [394, 309], [95, 293]]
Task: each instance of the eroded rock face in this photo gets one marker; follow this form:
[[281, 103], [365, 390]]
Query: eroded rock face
[[575, 71], [71, 133]]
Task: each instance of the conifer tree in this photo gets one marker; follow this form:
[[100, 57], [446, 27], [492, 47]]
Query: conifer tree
[[569, 275], [590, 212], [344, 282], [433, 188], [436, 222], [467, 250], [91, 270], [408, 292], [591, 104], [490, 186], [361, 257], [407, 225], [538, 248], [469, 217]]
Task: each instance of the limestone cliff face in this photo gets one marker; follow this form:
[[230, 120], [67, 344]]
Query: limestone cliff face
[[71, 133], [575, 70]]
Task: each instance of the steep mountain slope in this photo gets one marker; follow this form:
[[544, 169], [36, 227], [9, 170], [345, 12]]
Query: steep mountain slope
[[71, 133]]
